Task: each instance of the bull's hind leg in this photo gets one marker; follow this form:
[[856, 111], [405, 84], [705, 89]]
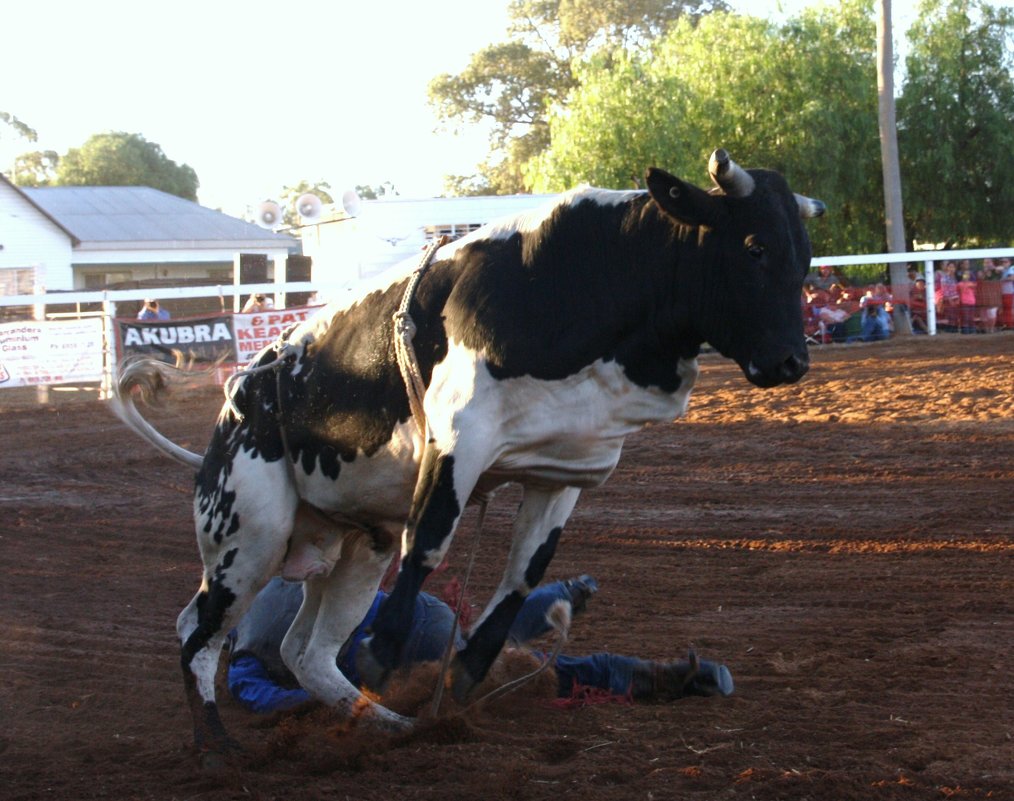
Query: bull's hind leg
[[333, 606], [242, 532], [537, 530]]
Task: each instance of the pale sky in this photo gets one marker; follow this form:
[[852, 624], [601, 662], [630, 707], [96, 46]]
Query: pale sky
[[256, 95]]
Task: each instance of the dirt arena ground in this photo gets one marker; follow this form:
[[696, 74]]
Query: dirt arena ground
[[845, 545]]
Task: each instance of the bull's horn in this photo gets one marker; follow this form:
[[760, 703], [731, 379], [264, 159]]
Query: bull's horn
[[810, 207], [728, 175]]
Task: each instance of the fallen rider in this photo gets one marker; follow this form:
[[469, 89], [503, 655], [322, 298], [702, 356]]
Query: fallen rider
[[260, 681]]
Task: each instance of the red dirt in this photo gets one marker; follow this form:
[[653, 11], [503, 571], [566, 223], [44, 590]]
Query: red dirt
[[844, 545]]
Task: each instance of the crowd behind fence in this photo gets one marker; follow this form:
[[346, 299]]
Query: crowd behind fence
[[78, 337], [962, 295]]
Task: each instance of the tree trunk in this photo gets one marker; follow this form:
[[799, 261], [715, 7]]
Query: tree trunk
[[893, 218]]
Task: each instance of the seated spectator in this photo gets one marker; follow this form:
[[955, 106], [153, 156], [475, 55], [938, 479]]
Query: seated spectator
[[876, 324], [815, 303], [823, 278], [838, 315]]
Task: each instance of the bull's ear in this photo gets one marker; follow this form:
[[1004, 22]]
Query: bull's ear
[[685, 203]]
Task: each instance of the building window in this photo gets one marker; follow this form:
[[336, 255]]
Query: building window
[[17, 281], [102, 280]]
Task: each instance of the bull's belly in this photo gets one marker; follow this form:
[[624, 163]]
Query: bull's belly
[[374, 490]]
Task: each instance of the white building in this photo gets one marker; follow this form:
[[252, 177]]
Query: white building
[[90, 237], [346, 249]]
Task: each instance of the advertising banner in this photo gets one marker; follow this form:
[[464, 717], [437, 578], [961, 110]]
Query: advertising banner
[[198, 339], [257, 330], [51, 352]]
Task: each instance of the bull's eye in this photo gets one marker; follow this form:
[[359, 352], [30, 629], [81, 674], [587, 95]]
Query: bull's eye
[[754, 248]]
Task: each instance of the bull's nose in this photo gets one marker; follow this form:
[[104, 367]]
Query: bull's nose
[[794, 368]]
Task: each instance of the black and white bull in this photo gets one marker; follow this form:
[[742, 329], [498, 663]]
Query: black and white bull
[[543, 341]]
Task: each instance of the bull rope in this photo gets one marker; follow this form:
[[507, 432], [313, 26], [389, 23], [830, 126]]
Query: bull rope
[[285, 352], [445, 663], [404, 334]]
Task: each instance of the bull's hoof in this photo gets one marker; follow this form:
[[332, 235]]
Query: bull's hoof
[[222, 755], [214, 761], [462, 683], [372, 673]]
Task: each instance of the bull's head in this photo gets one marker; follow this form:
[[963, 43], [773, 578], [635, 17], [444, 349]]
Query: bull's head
[[744, 277]]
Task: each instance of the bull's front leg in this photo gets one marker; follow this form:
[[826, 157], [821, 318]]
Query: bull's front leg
[[445, 482], [537, 530]]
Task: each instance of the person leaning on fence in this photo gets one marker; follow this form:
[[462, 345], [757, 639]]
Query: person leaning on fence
[[152, 310], [260, 681], [258, 303]]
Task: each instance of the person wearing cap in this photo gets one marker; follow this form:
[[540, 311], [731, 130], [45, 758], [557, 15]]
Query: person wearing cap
[[259, 679], [152, 310]]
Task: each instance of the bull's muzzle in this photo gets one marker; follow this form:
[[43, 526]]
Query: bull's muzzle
[[788, 371]]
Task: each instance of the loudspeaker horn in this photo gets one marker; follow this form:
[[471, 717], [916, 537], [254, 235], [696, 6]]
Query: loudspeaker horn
[[269, 214], [352, 203], [308, 206]]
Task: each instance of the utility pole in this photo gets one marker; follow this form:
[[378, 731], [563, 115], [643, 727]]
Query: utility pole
[[894, 220]]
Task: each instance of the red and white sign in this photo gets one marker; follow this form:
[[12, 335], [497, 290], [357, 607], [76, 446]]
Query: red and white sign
[[256, 331]]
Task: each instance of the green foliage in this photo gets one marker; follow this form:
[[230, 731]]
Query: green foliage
[[122, 159], [21, 129], [377, 192], [37, 168], [512, 85], [956, 124], [799, 98]]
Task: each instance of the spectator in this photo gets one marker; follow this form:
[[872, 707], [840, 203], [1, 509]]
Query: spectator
[[823, 278], [260, 681], [917, 306], [947, 297], [151, 310], [988, 297], [1006, 292], [902, 292], [258, 303], [876, 324], [967, 300]]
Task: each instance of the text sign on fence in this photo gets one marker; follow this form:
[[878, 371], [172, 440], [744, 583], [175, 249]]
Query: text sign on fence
[[229, 337], [205, 339], [256, 331], [54, 352]]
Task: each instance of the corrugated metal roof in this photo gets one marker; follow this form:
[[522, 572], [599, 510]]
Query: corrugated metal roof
[[74, 240], [139, 214]]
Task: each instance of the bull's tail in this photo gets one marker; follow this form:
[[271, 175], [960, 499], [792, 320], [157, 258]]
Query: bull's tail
[[150, 378]]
